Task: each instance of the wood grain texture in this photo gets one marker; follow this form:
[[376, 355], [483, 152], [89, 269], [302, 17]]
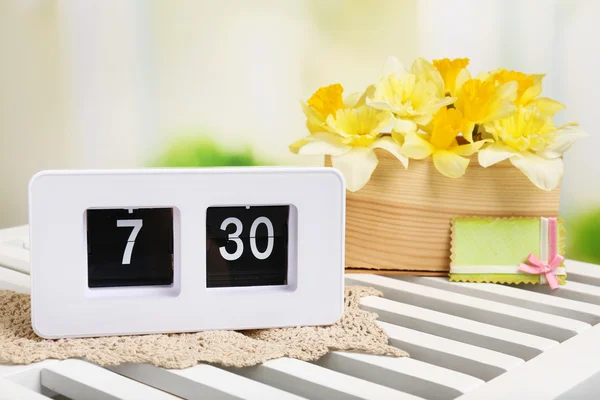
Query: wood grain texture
[[388, 272], [401, 219]]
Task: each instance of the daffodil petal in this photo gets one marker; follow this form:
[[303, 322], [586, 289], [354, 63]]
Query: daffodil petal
[[398, 137], [428, 129], [311, 113], [444, 101], [415, 146], [468, 132], [321, 147], [544, 173], [314, 120], [564, 139], [386, 125], [494, 153], [387, 143], [328, 137], [404, 126], [352, 99], [548, 106], [502, 101], [297, 145], [467, 150], [422, 67], [424, 119], [531, 92], [357, 166], [461, 78], [508, 90], [362, 100], [381, 105], [313, 127], [393, 66], [482, 76], [450, 164], [502, 111]]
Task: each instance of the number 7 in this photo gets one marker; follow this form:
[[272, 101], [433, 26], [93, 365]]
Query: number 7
[[136, 224]]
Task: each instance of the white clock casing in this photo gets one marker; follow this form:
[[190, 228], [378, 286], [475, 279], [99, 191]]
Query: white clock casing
[[63, 305]]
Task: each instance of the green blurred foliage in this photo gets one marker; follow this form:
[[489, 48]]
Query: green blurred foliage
[[583, 236], [205, 152]]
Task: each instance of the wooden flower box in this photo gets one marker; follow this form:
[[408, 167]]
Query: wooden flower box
[[400, 221]]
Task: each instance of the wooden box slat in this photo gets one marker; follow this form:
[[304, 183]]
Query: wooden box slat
[[401, 219]]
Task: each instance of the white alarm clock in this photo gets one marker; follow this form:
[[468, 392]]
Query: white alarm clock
[[121, 252]]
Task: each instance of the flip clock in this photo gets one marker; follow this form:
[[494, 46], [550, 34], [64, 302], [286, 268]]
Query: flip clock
[[182, 250]]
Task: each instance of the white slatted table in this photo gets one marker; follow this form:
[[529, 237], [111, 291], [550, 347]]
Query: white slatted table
[[467, 341]]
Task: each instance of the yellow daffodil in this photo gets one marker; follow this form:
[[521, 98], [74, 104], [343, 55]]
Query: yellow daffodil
[[449, 157], [532, 143], [326, 101], [454, 73], [414, 95], [529, 88], [482, 101], [437, 109], [350, 138]]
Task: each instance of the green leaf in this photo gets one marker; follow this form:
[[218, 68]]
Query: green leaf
[[202, 151]]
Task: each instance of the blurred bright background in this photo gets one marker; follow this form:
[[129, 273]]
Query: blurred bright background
[[118, 84]]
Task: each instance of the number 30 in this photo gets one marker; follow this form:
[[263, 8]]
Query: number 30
[[235, 237]]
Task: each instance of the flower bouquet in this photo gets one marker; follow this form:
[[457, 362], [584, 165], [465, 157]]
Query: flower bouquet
[[494, 132]]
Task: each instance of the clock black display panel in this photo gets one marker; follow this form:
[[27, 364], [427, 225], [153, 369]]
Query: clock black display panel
[[129, 247], [247, 246]]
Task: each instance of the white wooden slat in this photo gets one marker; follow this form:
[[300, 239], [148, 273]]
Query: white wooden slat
[[490, 312], [14, 257], [78, 379], [588, 313], [558, 371], [12, 391], [20, 242], [12, 370], [312, 381], [201, 382], [405, 374], [14, 232], [582, 272], [588, 389], [572, 290], [26, 242], [518, 344], [471, 360], [27, 375], [13, 280]]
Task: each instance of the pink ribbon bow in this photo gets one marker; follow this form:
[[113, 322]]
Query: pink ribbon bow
[[538, 267]]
